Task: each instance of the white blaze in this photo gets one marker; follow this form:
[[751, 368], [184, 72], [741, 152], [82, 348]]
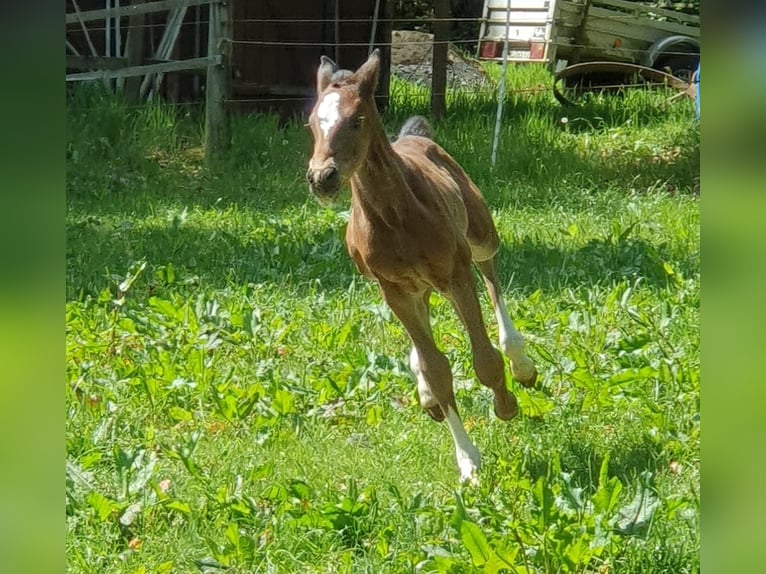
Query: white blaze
[[327, 112]]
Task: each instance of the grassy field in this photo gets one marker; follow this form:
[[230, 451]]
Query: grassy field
[[238, 399]]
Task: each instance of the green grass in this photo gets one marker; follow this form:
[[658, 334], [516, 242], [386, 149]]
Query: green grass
[[237, 396]]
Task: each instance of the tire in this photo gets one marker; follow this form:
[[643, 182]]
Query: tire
[[682, 66]]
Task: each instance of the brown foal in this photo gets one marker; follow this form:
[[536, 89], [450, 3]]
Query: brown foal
[[417, 223]]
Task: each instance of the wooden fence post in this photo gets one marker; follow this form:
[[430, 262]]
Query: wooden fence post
[[439, 62], [135, 53], [217, 128]]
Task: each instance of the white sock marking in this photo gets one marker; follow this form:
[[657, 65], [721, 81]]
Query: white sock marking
[[328, 113], [512, 343], [427, 398], [468, 456]]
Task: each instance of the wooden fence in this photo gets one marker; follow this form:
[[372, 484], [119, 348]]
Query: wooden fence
[[142, 79]]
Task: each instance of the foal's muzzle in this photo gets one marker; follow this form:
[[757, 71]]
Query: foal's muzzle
[[324, 183]]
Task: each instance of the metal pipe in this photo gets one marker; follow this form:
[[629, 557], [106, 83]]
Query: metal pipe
[[501, 90], [337, 32], [374, 27], [108, 38], [118, 29], [118, 49], [197, 34], [108, 30]]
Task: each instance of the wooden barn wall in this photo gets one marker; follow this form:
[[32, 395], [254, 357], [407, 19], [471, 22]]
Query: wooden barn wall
[[267, 74], [283, 76]]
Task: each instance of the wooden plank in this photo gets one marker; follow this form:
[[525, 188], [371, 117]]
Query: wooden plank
[[580, 39], [135, 52], [78, 17], [642, 8], [649, 28], [217, 87], [499, 15], [72, 48], [95, 63], [133, 71], [118, 29], [108, 32], [135, 9], [518, 60], [120, 50], [241, 88], [101, 63], [551, 46], [517, 5], [542, 20], [482, 28], [600, 48], [439, 59], [569, 13], [197, 46], [169, 37]]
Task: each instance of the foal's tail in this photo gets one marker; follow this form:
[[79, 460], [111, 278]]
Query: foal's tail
[[416, 126]]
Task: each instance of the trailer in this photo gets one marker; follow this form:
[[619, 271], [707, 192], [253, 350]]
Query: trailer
[[563, 33]]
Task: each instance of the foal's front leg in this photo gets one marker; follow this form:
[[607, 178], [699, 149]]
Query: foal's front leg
[[433, 373]]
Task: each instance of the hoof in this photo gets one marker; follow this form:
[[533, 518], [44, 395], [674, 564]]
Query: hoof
[[436, 413], [529, 380], [469, 465], [469, 478], [506, 407]]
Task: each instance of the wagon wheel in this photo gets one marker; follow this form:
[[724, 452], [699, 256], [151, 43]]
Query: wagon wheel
[[682, 66], [576, 77]]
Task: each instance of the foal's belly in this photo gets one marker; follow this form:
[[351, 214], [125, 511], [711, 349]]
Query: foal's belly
[[407, 261]]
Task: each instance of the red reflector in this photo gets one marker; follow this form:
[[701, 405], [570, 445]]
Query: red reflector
[[536, 50], [490, 49]]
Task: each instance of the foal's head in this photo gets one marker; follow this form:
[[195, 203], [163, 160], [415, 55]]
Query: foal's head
[[341, 126]]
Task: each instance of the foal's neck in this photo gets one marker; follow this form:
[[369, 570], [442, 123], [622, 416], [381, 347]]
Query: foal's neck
[[378, 187]]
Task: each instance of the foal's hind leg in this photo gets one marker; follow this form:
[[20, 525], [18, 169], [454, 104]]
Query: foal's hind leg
[[484, 242], [511, 341], [487, 361]]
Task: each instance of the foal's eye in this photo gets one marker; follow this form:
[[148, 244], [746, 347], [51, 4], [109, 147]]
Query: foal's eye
[[356, 122]]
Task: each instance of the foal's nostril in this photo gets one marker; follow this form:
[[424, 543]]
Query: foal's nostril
[[323, 181], [330, 175]]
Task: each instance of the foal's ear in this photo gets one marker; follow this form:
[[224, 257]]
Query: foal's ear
[[324, 74], [367, 75]]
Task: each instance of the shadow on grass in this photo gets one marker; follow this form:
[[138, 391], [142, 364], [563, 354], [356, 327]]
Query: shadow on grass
[[284, 252], [529, 266], [217, 259], [627, 459]]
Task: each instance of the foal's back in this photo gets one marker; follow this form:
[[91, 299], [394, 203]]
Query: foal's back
[[436, 178]]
